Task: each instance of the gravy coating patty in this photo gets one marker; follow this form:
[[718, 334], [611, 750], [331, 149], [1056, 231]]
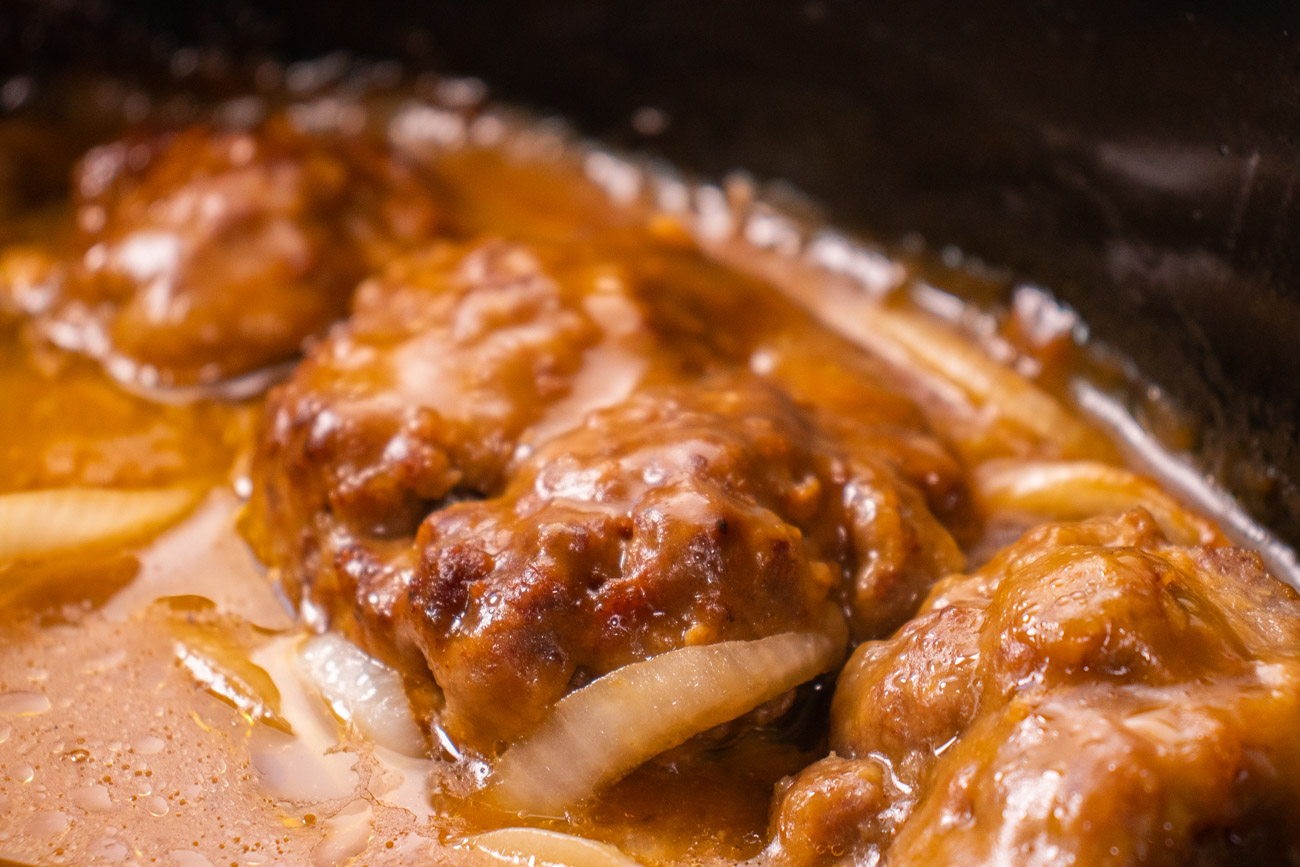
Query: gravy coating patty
[[205, 254], [519, 467], [1094, 695]]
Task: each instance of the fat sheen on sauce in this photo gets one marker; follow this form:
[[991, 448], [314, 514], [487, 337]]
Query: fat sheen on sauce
[[626, 353]]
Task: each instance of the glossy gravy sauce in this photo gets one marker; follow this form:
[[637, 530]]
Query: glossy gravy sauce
[[120, 743]]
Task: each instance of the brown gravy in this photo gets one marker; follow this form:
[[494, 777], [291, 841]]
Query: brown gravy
[[116, 745]]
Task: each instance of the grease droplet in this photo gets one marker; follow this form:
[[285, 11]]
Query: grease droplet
[[23, 703], [92, 799], [184, 858], [49, 824]]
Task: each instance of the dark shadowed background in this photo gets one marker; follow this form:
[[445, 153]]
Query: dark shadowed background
[[1141, 160]]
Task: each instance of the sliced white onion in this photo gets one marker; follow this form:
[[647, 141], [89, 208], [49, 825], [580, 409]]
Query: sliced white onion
[[911, 340], [363, 691], [534, 847], [1074, 490], [600, 732], [227, 675], [61, 520], [218, 653]]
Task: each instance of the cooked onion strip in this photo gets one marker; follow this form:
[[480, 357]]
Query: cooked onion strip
[[535, 847], [1073, 490], [363, 691], [62, 520], [910, 340], [239, 683], [600, 732], [217, 652]]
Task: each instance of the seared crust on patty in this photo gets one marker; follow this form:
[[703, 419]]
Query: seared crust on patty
[[206, 254], [524, 466], [1094, 695]]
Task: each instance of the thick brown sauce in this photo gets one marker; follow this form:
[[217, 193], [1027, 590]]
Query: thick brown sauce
[[108, 748]]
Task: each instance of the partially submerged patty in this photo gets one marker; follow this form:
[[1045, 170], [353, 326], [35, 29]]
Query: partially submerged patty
[[1094, 695], [206, 254], [526, 466]]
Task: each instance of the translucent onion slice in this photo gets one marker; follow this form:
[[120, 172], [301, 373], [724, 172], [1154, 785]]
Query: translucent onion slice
[[913, 341], [363, 691], [1073, 490], [62, 520], [241, 684], [534, 847], [600, 732], [217, 652]]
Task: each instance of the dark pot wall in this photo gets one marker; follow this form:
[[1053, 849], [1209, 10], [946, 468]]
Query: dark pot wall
[[1142, 163]]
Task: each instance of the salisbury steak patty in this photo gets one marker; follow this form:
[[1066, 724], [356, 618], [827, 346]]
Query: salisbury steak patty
[[206, 253], [1095, 695], [524, 467]]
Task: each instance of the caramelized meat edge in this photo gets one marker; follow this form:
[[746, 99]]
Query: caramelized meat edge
[[521, 467], [205, 254], [1094, 695]]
